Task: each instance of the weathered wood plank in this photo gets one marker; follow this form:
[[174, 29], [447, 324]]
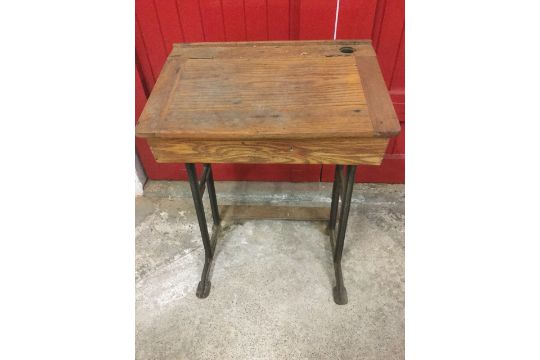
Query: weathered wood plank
[[274, 43], [369, 151], [381, 110], [263, 99], [232, 213], [268, 49]]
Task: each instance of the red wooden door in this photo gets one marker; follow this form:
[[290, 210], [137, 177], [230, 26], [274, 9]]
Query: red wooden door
[[161, 23]]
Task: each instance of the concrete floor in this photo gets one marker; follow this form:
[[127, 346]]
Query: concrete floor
[[271, 295]]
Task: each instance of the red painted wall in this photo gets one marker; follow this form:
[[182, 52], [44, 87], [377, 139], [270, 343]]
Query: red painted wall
[[160, 23]]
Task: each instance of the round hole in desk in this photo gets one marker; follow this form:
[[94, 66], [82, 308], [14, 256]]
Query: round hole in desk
[[346, 49]]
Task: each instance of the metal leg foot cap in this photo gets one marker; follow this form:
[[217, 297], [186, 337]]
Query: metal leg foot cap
[[203, 289], [340, 297]]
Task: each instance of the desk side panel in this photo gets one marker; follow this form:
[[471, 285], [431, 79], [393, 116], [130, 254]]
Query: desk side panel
[[368, 151]]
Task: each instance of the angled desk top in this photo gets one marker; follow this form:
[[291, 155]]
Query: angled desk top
[[314, 102]]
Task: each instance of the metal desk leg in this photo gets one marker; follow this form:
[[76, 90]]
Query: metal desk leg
[[212, 196], [197, 191], [343, 187], [335, 200]]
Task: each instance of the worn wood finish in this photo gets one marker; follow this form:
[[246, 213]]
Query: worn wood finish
[[304, 102], [307, 48], [264, 99], [232, 213], [382, 113], [346, 151]]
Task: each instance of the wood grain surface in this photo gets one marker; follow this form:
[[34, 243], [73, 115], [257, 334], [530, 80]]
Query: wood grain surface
[[303, 102], [265, 99], [368, 151], [383, 116], [239, 213], [268, 49]]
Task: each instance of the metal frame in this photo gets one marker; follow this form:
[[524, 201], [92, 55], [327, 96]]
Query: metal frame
[[197, 191], [342, 189]]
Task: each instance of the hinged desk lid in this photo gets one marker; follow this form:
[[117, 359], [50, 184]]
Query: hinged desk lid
[[268, 90]]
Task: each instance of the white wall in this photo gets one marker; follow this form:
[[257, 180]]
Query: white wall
[[140, 177]]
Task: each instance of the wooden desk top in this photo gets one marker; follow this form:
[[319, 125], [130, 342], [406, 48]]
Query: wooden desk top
[[291, 92]]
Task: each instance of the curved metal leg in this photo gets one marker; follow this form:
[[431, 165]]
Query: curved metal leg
[[212, 196], [197, 191], [343, 187], [335, 201]]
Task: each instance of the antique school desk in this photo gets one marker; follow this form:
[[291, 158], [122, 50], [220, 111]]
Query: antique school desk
[[287, 102]]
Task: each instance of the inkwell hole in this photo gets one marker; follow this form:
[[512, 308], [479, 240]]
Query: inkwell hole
[[346, 50]]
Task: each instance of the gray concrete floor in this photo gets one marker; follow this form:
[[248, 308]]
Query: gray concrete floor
[[271, 295]]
